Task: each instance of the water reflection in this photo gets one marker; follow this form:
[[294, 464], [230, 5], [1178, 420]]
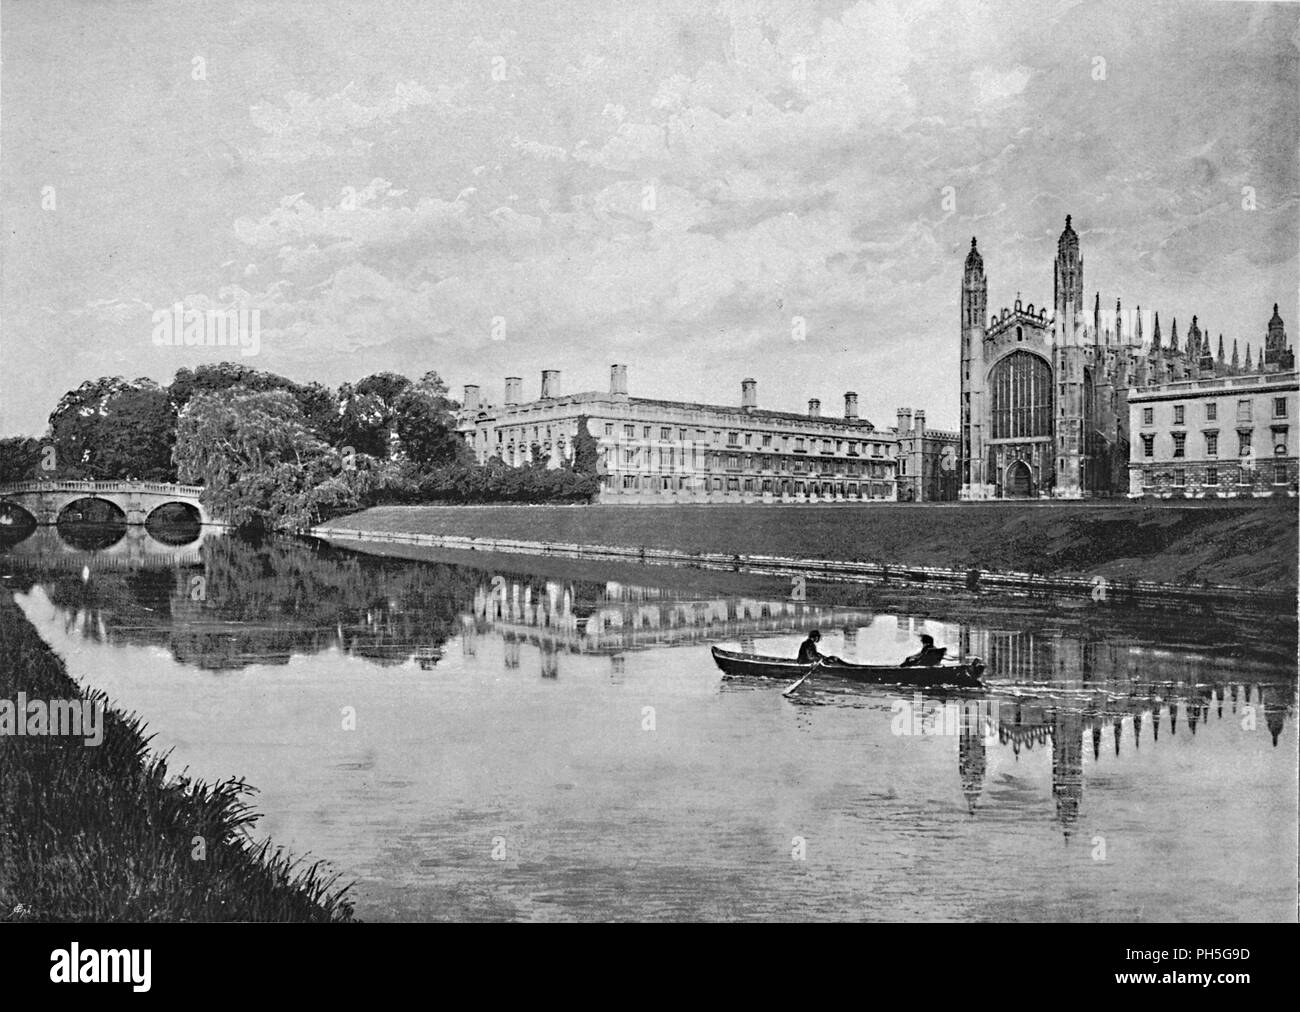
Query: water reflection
[[1086, 711]]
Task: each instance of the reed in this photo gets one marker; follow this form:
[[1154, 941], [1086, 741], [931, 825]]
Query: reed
[[109, 833]]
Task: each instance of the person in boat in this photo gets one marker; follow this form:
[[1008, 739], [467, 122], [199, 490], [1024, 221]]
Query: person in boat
[[808, 652], [928, 656]]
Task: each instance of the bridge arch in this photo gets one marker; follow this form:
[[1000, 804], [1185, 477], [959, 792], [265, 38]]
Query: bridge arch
[[91, 509]]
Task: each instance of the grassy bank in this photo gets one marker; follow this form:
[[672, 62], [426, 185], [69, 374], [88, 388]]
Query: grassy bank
[[105, 833], [1253, 545]]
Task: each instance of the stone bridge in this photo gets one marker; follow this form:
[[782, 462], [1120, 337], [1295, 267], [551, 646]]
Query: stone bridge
[[46, 502]]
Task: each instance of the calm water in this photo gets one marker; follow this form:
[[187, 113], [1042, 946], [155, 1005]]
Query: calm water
[[546, 740]]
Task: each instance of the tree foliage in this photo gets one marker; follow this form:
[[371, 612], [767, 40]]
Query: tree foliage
[[112, 429], [260, 463], [20, 458]]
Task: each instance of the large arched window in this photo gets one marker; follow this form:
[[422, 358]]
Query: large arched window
[[1022, 396]]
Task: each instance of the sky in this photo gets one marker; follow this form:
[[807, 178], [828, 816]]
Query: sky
[[702, 191]]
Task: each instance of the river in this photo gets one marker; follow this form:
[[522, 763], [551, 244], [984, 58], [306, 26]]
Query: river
[[515, 738]]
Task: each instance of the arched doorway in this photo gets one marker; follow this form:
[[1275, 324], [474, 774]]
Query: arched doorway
[[1019, 481]]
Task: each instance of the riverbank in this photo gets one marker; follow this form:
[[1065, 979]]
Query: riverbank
[[1193, 548], [107, 833]]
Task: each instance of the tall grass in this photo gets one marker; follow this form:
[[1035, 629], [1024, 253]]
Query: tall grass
[[105, 833]]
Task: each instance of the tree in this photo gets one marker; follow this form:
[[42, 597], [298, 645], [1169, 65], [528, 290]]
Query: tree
[[260, 463], [20, 458], [426, 428], [109, 428], [586, 450], [219, 376]]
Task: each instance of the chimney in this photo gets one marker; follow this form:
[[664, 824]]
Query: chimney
[[904, 421], [851, 405], [749, 394], [618, 380], [470, 401], [550, 383], [814, 408], [514, 387], [920, 421]]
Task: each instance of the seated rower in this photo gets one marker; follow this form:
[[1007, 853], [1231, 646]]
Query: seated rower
[[929, 654], [808, 652]]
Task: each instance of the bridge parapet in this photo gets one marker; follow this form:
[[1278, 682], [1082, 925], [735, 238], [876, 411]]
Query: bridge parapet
[[159, 487]]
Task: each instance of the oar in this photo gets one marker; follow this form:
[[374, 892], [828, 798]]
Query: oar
[[815, 665]]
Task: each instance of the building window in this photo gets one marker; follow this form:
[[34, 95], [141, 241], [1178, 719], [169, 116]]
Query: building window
[[1148, 416], [733, 461], [1211, 445], [749, 438], [1022, 396], [902, 465], [1212, 411], [798, 444], [1148, 446], [681, 434], [1179, 412], [1243, 411], [629, 481], [1180, 444], [629, 431], [665, 433], [629, 456], [767, 440], [1243, 443], [1211, 476], [717, 484], [1180, 477], [645, 432], [733, 484], [1279, 407], [609, 428]]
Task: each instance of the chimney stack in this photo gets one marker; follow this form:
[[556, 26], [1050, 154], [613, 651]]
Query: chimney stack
[[514, 387], [749, 394], [618, 380], [904, 421], [550, 383], [471, 397], [920, 421], [814, 408], [851, 405]]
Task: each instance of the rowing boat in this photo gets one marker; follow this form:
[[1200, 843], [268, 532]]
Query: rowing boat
[[966, 674]]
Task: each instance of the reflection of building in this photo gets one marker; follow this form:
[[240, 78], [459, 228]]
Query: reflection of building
[[1045, 393], [591, 618], [971, 758], [658, 451], [1067, 766]]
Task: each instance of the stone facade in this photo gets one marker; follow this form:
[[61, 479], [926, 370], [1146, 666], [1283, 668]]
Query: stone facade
[[1044, 392], [1220, 436], [661, 451]]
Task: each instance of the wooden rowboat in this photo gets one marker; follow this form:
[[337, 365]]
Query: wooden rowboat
[[965, 675]]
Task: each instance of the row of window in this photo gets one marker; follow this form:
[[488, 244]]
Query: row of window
[[671, 456], [769, 486], [1245, 411], [1244, 443], [1178, 477], [766, 440]]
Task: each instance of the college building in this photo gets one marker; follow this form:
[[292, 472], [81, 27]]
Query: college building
[[1228, 432], [662, 451], [1047, 394]]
